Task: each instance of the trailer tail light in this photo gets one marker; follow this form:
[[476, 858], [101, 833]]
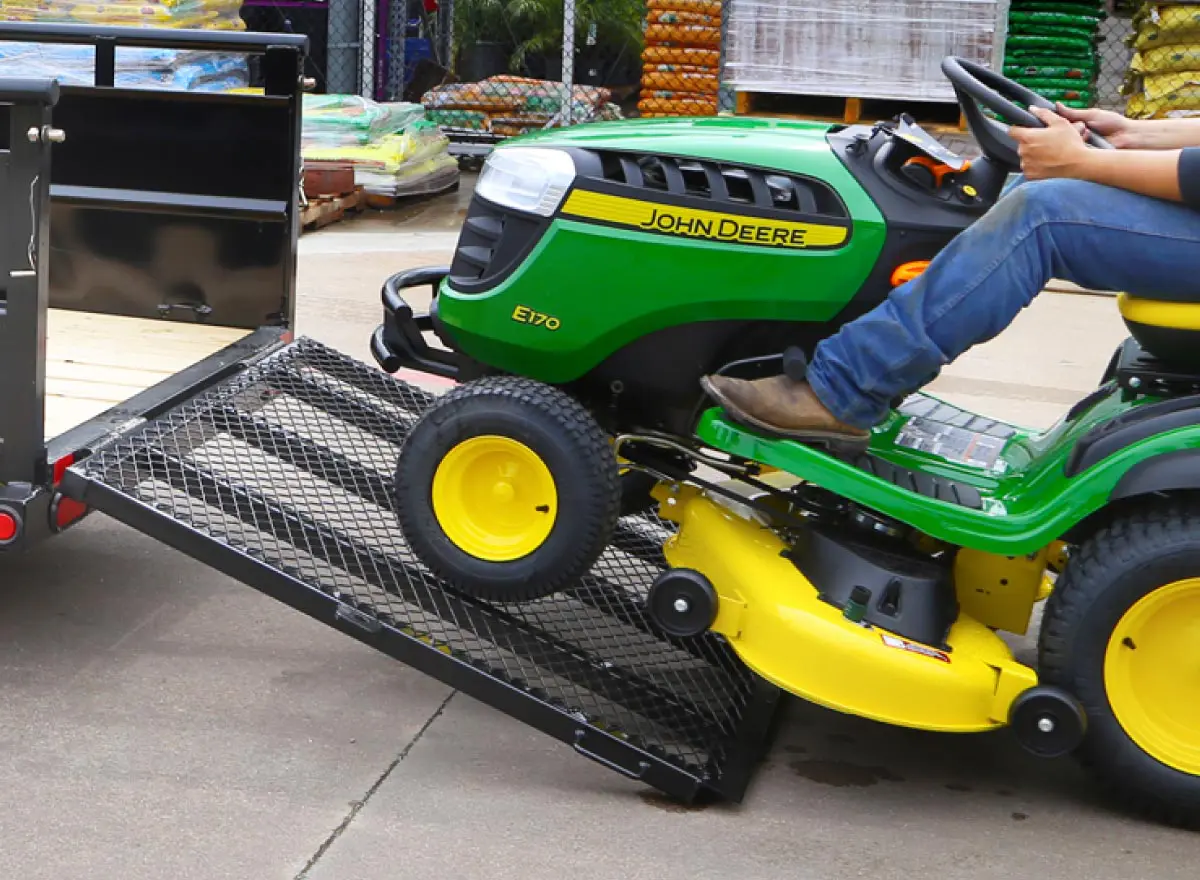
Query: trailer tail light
[[10, 527]]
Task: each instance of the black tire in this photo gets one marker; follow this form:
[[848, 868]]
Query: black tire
[[1124, 561], [567, 440]]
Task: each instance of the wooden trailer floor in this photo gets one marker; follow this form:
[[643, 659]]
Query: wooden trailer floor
[[94, 362]]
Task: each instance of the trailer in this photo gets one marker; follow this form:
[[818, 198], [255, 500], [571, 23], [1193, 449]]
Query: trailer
[[153, 375]]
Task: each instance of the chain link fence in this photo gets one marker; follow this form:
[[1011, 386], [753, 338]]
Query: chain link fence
[[493, 69], [1150, 61]]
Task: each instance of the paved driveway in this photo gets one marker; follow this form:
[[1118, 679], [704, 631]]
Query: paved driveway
[[161, 721]]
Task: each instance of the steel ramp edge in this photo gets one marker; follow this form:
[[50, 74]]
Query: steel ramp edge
[[281, 477]]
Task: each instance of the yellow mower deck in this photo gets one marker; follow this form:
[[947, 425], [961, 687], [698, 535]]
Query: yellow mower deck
[[774, 619]]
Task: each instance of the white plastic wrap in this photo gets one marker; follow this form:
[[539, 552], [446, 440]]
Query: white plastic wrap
[[135, 67], [856, 48]]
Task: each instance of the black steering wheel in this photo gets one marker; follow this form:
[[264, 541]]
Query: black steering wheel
[[976, 85]]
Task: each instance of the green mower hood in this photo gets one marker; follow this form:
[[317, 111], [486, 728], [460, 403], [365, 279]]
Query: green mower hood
[[782, 145], [651, 225]]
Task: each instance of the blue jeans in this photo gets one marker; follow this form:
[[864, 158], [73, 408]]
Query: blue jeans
[[1095, 236]]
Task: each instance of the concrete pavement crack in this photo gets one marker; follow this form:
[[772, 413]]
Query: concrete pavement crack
[[375, 786]]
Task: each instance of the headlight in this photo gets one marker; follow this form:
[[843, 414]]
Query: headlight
[[532, 179]]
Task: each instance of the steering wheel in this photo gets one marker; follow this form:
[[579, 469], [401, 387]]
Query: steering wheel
[[976, 85]]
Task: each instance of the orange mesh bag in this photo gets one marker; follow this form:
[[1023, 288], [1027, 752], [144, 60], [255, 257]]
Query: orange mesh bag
[[704, 7], [684, 34], [681, 55], [681, 82], [663, 107], [666, 16], [679, 68]]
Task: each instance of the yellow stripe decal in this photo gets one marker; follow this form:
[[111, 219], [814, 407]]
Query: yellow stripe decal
[[708, 225]]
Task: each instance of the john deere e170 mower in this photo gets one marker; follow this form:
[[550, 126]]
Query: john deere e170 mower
[[604, 269]]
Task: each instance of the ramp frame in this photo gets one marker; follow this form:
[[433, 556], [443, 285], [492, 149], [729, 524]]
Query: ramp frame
[[280, 476]]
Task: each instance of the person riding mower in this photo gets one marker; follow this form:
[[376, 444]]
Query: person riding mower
[[728, 322], [1080, 216]]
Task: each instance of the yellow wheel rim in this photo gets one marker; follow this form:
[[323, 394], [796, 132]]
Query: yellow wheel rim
[[495, 498], [1152, 674]]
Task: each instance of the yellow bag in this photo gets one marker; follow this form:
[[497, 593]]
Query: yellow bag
[[1179, 58], [1139, 107], [1171, 86], [386, 155], [1168, 26]]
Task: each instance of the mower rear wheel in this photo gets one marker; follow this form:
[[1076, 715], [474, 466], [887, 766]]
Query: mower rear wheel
[[1120, 633], [507, 489]]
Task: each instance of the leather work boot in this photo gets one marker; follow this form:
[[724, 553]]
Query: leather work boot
[[783, 407]]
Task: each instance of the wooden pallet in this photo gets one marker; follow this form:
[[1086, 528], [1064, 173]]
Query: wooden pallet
[[933, 115], [381, 202], [323, 211]]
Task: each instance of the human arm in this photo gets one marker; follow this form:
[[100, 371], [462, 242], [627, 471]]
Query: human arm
[[1058, 151], [1136, 134]]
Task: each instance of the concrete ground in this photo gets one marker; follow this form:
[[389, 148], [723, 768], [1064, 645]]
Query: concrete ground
[[161, 721]]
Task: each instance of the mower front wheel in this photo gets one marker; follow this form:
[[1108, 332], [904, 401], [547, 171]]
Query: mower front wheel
[[507, 489], [1121, 633]]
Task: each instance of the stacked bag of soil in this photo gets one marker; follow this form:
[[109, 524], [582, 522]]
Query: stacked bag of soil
[[136, 67], [508, 106], [1052, 48], [1164, 73], [394, 150], [681, 62]]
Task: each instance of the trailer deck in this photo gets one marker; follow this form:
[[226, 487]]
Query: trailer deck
[[95, 362], [280, 476]]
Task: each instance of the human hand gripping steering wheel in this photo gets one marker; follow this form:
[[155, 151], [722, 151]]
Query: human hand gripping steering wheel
[[976, 86]]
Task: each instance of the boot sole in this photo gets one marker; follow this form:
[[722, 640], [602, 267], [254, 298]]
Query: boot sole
[[835, 439]]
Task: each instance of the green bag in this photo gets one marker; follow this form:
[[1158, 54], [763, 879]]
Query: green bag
[[1081, 72]]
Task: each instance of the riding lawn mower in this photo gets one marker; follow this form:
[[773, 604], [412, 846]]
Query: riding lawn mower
[[604, 269]]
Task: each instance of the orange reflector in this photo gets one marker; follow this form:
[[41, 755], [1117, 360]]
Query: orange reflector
[[67, 511], [908, 271], [8, 527], [60, 467]]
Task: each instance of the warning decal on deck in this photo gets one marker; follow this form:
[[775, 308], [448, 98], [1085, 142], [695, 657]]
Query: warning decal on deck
[[914, 648], [953, 444]]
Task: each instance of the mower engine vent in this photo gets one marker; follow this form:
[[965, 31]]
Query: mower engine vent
[[492, 242], [721, 183]]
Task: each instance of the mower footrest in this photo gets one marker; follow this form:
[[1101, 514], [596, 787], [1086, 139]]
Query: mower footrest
[[281, 477], [937, 488]]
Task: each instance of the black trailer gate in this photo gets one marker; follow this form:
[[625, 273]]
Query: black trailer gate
[[280, 476]]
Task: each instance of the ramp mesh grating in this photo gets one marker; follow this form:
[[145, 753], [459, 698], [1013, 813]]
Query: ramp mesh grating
[[290, 463]]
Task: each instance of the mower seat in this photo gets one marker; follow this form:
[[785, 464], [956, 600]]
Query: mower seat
[[1167, 330]]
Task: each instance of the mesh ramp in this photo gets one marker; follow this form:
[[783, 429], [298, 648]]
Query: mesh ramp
[[281, 477]]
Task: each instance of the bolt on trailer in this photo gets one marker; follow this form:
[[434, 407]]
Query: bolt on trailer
[[155, 378]]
